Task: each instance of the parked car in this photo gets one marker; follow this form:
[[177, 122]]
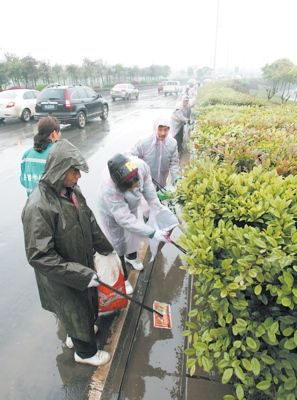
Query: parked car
[[161, 86], [18, 103], [171, 87], [124, 91], [71, 104]]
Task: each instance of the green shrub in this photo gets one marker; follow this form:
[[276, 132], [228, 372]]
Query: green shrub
[[40, 86], [240, 86], [242, 251], [248, 136], [221, 93]]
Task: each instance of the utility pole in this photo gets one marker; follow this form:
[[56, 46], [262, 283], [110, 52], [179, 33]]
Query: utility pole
[[216, 38], [1, 54]]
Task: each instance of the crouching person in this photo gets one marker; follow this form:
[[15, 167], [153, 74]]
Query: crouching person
[[127, 180], [61, 234]]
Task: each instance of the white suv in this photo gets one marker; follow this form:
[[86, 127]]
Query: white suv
[[171, 87]]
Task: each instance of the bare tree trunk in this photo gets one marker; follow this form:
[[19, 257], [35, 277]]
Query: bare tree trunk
[[285, 92]]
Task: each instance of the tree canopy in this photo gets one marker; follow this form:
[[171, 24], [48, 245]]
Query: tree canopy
[[280, 75], [30, 72]]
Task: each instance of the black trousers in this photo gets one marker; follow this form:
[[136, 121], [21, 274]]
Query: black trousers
[[84, 349], [88, 349], [180, 138], [131, 256]]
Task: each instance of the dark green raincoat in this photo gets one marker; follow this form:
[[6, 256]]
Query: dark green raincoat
[[60, 240]]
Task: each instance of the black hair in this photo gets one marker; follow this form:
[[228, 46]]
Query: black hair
[[46, 126]]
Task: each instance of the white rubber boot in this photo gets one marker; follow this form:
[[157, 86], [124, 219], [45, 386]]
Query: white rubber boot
[[129, 288], [100, 358], [136, 264]]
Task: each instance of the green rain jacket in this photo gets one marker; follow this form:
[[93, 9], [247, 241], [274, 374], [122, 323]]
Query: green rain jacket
[[60, 240]]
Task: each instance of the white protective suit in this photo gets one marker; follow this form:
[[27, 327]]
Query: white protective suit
[[161, 156], [118, 211], [180, 117]]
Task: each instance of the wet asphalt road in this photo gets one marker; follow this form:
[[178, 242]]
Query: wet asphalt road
[[34, 361]]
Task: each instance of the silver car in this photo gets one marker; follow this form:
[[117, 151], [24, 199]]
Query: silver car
[[18, 103], [124, 91]]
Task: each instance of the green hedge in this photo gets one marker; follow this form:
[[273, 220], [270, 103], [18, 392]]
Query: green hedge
[[239, 199], [222, 93], [248, 136], [242, 250]]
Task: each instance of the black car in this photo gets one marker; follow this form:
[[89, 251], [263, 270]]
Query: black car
[[71, 104]]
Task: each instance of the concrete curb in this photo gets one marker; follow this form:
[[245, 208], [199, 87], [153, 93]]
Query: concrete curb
[[122, 332]]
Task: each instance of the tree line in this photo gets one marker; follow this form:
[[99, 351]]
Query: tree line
[[32, 73]]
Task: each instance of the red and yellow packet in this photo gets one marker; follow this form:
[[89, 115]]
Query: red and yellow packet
[[164, 322]]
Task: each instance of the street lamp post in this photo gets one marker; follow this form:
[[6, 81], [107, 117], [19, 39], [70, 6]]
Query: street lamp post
[[216, 38]]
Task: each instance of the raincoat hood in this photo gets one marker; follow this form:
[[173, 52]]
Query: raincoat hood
[[62, 157], [164, 121]]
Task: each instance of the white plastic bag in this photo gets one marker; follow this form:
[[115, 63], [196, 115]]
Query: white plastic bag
[[108, 267], [161, 219], [110, 271], [165, 219]]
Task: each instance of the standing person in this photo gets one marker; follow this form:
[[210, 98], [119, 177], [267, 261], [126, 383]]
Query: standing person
[[192, 90], [159, 151], [127, 180], [34, 159], [181, 116], [61, 234]]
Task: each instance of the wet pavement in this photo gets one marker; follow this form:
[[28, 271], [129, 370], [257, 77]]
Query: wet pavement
[[155, 367], [149, 363], [35, 362]]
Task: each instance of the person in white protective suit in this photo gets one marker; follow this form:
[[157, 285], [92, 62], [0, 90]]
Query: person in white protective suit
[[127, 181], [191, 90], [159, 151], [180, 116]]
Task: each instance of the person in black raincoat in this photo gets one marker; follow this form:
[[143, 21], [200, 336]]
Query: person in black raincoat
[[61, 234]]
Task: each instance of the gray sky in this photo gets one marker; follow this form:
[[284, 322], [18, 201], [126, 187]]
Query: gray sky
[[180, 33]]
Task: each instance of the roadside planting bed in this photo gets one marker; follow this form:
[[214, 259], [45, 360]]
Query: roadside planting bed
[[239, 197]]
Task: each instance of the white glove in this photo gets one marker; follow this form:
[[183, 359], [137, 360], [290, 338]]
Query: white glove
[[161, 236], [94, 281]]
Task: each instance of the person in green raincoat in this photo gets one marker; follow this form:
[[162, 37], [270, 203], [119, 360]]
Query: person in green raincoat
[[61, 235]]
